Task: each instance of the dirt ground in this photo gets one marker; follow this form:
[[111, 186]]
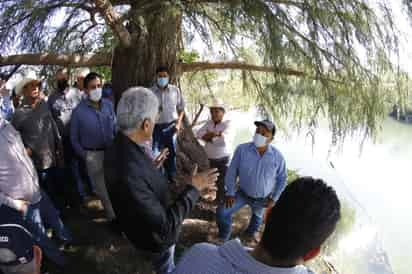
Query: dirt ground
[[98, 250]]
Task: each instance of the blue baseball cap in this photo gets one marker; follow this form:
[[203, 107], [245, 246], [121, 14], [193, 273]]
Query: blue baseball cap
[[16, 245], [269, 125]]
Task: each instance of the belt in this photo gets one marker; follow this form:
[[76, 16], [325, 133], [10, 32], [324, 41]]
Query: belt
[[260, 199], [166, 124], [220, 160], [95, 149]]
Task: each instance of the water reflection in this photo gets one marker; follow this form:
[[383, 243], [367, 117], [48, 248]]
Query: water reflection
[[375, 183]]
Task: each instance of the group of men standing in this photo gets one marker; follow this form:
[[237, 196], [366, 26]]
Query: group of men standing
[[77, 134]]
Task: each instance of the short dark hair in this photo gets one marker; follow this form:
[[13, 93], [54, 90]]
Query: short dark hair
[[3, 76], [305, 215], [90, 77], [162, 69]]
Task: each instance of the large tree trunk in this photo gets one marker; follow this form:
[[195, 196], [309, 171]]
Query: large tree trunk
[[155, 40]]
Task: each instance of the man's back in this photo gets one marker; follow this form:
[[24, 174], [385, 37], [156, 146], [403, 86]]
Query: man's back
[[230, 258]]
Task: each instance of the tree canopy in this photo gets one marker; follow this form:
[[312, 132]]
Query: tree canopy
[[309, 57]]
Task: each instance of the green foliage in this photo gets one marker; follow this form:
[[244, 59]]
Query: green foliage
[[321, 39], [188, 56]]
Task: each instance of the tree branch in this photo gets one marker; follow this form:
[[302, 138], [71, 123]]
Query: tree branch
[[198, 66], [104, 59], [74, 60], [114, 20]]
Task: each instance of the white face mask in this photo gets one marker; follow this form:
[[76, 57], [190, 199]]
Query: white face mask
[[259, 140], [95, 95]]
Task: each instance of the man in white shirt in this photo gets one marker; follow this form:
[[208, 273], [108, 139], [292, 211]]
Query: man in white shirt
[[171, 114], [305, 215], [216, 134]]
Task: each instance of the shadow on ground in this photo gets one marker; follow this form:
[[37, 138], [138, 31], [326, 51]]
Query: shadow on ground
[[99, 250]]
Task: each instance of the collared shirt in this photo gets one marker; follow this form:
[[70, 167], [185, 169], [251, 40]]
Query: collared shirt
[[230, 258], [18, 177], [92, 128], [61, 105], [6, 107], [220, 146], [39, 133], [170, 103], [259, 176]]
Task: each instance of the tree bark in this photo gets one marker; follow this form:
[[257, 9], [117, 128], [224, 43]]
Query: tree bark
[[113, 19], [154, 43]]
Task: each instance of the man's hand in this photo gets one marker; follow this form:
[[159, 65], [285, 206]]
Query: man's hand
[[204, 180], [178, 127], [208, 137], [158, 162], [21, 206], [229, 201], [29, 151]]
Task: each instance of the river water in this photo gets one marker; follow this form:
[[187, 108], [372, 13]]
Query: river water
[[376, 181]]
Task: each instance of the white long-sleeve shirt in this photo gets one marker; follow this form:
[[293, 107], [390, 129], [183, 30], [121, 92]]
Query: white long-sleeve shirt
[[18, 177], [220, 146]]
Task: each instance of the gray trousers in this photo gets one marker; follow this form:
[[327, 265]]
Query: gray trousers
[[95, 170]]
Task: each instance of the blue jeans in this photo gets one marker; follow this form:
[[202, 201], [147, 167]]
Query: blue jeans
[[53, 183], [51, 218], [164, 136], [35, 224], [224, 215], [165, 262]]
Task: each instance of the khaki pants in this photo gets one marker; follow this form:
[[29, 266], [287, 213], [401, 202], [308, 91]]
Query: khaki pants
[[95, 170]]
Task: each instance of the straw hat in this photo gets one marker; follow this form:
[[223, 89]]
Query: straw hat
[[217, 103], [82, 72], [23, 82]]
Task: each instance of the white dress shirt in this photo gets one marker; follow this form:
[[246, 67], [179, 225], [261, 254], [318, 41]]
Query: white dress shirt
[[220, 146], [170, 103]]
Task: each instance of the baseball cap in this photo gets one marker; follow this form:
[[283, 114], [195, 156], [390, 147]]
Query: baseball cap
[[267, 124], [16, 245]]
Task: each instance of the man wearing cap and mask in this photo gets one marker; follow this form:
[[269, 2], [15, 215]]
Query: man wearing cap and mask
[[6, 104], [92, 130], [81, 73], [171, 111], [62, 103], [18, 251], [217, 135], [261, 171]]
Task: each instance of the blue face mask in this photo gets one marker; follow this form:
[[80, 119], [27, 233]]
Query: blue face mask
[[162, 81]]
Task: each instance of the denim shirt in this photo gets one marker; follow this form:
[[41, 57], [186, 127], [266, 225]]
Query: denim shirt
[[6, 107], [92, 128], [259, 176]]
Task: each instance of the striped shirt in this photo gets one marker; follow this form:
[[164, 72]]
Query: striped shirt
[[230, 258]]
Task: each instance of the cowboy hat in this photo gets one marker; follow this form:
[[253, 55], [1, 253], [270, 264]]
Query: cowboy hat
[[23, 82], [217, 103]]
